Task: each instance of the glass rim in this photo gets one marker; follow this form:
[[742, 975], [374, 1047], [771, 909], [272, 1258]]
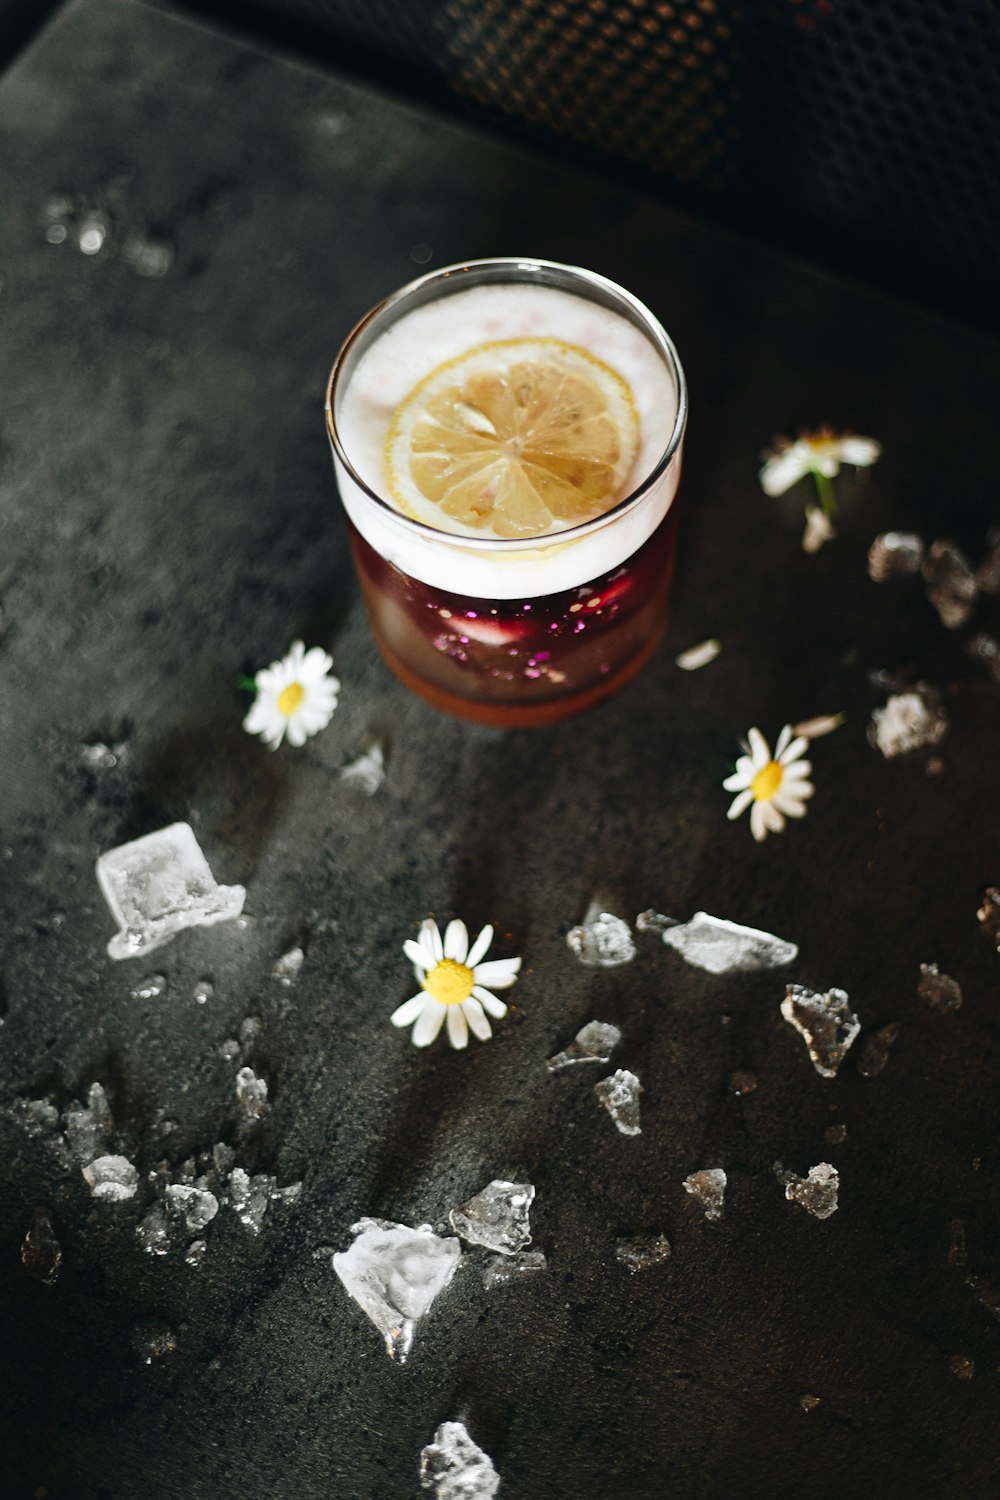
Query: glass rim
[[652, 326]]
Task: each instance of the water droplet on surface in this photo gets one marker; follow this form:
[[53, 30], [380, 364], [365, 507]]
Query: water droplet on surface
[[421, 254]]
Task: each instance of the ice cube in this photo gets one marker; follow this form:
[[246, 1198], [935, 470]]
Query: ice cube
[[367, 772], [836, 1135], [502, 1269], [826, 1023], [286, 968], [97, 756], [594, 1042], [708, 1188], [37, 1116], [203, 992], [895, 554], [951, 584], [907, 723], [394, 1274], [41, 1253], [724, 947], [988, 573], [88, 1127], [699, 656], [454, 1468], [154, 1341], [498, 1217], [250, 1197], [153, 1231], [985, 649], [112, 1178], [620, 1096], [817, 1192], [654, 921], [159, 884], [640, 1254], [875, 1052], [195, 1253], [810, 1403], [989, 914], [938, 989], [602, 941], [148, 255], [194, 1205], [962, 1367], [251, 1091], [149, 989]]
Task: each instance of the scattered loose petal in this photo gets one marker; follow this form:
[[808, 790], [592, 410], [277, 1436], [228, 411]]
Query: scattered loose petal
[[814, 729], [699, 656], [295, 696], [454, 985], [819, 529], [820, 452], [773, 787], [895, 554]]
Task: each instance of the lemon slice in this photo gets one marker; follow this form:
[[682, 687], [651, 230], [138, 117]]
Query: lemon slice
[[516, 438]]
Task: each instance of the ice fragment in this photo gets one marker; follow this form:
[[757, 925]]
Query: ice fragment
[[286, 968], [962, 1367], [875, 1052], [654, 921], [154, 1341], [195, 1206], [817, 1192], [251, 1091], [986, 1294], [454, 1468], [741, 1082], [895, 554], [203, 992], [810, 1403], [835, 1135], [620, 1096], [502, 1269], [602, 941], [250, 1197], [826, 1023], [498, 1217], [986, 649], [640, 1254], [951, 584], [724, 947], [37, 1116], [112, 1178], [367, 772], [906, 723], [88, 1127], [153, 1232], [394, 1274], [708, 1188], [97, 756], [148, 255], [41, 1253], [699, 656], [149, 989], [938, 989], [195, 1253], [989, 914], [159, 884], [594, 1042]]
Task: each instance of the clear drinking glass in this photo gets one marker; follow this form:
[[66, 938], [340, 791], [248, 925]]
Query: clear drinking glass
[[512, 631]]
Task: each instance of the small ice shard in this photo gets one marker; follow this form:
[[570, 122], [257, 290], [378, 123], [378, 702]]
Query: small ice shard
[[988, 572], [251, 1091], [147, 255], [286, 968], [594, 1042], [895, 554], [826, 1022], [291, 1193], [230, 1049], [154, 1341], [149, 989], [250, 1197], [195, 1206], [394, 1274], [742, 1082], [958, 1255], [160, 884], [724, 947], [835, 1135], [938, 989], [817, 1192], [454, 1468], [502, 1269], [620, 1096], [223, 1158], [962, 1367], [810, 1403], [698, 656], [195, 1253], [41, 1252], [37, 1116], [640, 1254], [602, 941], [97, 756], [251, 1031], [989, 914], [654, 921], [498, 1217], [203, 992], [708, 1188], [875, 1052], [111, 1178], [906, 723], [153, 1232], [951, 583], [986, 649], [88, 1127], [367, 772]]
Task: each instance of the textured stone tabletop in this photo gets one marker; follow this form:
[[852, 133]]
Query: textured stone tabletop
[[168, 522]]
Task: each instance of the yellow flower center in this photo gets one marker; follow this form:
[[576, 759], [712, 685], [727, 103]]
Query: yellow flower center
[[289, 700], [449, 982], [767, 781]]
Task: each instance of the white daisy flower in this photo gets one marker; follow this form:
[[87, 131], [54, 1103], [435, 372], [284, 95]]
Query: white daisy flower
[[454, 984], [820, 453], [295, 696], [774, 788]]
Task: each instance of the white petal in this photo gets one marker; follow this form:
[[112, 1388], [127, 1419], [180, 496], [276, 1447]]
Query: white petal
[[783, 739], [458, 1027], [480, 947], [261, 716], [736, 782], [790, 806], [418, 956], [827, 461], [811, 729], [408, 1012], [860, 451], [819, 529], [799, 791], [758, 827], [793, 751], [500, 972], [797, 771], [760, 752], [772, 817], [476, 1017], [784, 469], [489, 1002], [431, 940], [315, 664], [456, 941], [741, 803], [428, 1023], [294, 656], [297, 732]]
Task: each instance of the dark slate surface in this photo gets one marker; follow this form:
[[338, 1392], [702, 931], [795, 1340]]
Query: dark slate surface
[[168, 521]]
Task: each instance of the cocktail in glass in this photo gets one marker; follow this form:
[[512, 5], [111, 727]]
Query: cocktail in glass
[[475, 609]]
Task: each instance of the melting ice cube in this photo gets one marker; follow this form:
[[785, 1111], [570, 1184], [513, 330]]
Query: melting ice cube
[[251, 1091], [394, 1274], [154, 1341], [195, 1206], [112, 1178], [620, 1096], [640, 1254], [906, 723], [502, 1269], [895, 554], [149, 989], [938, 989], [41, 1253], [654, 921], [817, 1192], [153, 1232], [454, 1468], [498, 1217], [158, 885], [250, 1197], [367, 772], [594, 1042], [602, 941], [724, 947], [286, 968], [708, 1188], [195, 1253], [951, 583], [875, 1052], [826, 1023], [88, 1127]]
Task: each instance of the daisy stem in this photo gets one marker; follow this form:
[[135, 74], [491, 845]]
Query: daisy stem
[[827, 498], [247, 684]]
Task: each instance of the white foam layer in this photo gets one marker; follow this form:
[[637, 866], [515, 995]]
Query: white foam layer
[[447, 328]]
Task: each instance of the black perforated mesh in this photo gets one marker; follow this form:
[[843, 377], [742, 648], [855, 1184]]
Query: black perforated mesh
[[865, 127]]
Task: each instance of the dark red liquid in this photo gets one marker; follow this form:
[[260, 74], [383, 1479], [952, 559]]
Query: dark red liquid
[[520, 662]]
